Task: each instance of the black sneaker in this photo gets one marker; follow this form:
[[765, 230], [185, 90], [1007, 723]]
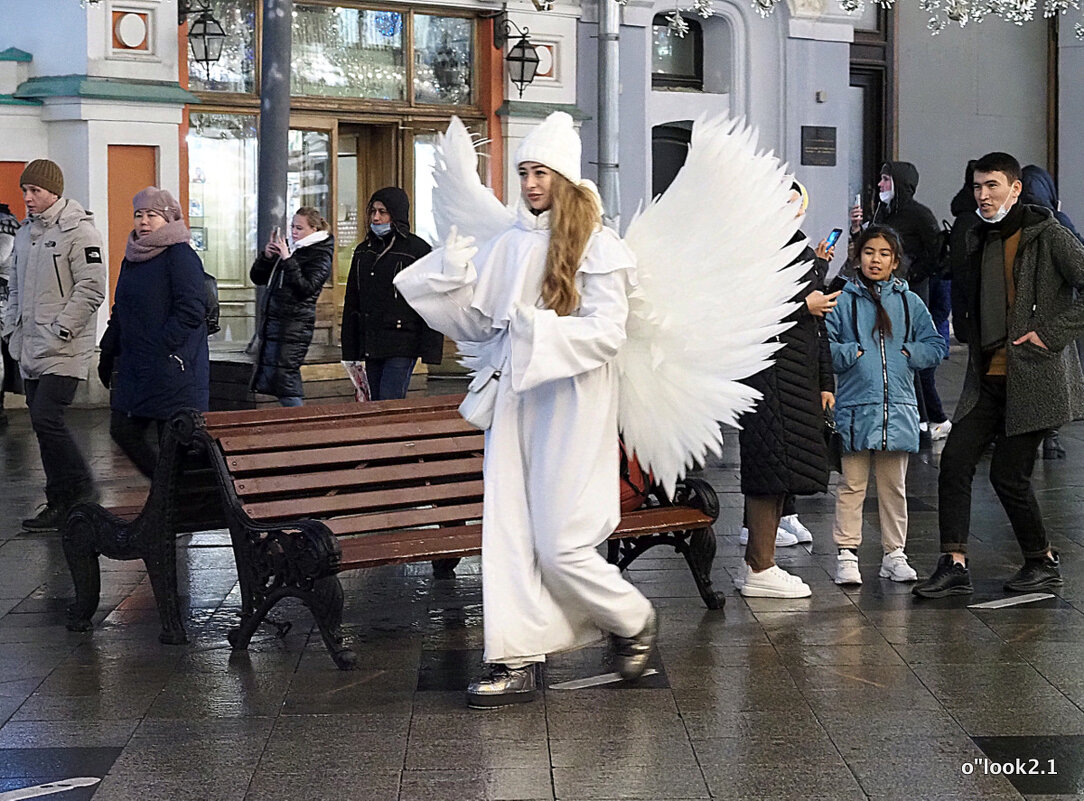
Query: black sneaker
[[950, 578], [49, 518], [1037, 574]]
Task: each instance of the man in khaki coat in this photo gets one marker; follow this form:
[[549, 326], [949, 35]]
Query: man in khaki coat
[[57, 283]]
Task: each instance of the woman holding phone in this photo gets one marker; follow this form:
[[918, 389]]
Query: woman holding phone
[[294, 278]]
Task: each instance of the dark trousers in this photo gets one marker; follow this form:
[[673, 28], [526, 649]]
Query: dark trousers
[[67, 476], [1010, 474], [138, 437], [389, 378], [935, 413]]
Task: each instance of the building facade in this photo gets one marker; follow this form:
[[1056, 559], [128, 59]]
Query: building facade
[[108, 91]]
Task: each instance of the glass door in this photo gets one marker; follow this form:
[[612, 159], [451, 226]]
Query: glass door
[[366, 159]]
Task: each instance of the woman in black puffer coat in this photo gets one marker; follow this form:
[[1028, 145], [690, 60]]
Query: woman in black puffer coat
[[782, 440], [379, 327], [294, 281]]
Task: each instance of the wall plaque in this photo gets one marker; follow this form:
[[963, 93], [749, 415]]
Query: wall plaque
[[818, 146]]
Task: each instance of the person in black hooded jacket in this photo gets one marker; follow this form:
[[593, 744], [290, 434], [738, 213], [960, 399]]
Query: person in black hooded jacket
[[294, 280], [379, 327], [918, 230]]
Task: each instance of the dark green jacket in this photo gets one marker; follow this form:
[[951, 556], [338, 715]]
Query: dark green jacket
[[1045, 388]]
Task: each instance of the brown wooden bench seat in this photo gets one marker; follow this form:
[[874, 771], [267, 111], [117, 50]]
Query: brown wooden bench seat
[[310, 492]]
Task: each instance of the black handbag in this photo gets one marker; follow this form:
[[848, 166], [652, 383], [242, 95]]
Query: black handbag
[[833, 441]]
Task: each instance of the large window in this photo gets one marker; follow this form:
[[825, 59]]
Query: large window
[[677, 61], [348, 52], [443, 56], [222, 193], [235, 71], [308, 177]]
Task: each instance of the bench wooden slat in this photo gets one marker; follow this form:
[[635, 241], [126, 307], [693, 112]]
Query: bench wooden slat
[[325, 505], [275, 427], [397, 548], [441, 424], [236, 421], [313, 457], [401, 547], [403, 519], [662, 518], [417, 472]]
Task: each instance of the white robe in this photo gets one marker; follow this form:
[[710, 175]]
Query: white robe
[[551, 456]]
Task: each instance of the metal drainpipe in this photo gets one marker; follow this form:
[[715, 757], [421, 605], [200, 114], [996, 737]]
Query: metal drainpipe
[[274, 142], [609, 87]]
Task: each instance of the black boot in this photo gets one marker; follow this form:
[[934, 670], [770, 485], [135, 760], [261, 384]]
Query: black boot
[[1052, 448], [1037, 574], [950, 578], [49, 518]]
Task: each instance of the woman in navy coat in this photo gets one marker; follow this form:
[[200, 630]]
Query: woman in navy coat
[[156, 340]]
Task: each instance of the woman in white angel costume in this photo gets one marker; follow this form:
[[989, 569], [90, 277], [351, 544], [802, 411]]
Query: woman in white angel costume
[[555, 303]]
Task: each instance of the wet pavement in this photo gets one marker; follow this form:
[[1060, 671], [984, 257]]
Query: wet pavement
[[851, 694]]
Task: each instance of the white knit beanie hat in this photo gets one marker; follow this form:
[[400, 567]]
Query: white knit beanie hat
[[554, 143]]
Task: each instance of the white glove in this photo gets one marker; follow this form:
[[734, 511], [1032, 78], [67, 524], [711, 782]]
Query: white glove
[[458, 251]]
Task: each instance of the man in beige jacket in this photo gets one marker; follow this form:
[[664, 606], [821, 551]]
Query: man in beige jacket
[[57, 283]]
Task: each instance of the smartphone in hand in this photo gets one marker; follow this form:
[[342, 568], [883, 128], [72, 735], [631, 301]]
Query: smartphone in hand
[[834, 236]]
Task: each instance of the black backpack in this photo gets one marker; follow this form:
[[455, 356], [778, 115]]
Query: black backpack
[[210, 288]]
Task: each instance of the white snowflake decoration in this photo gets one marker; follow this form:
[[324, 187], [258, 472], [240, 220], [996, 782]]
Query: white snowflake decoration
[[959, 11], [936, 25], [852, 6], [704, 8], [1078, 29], [677, 23]]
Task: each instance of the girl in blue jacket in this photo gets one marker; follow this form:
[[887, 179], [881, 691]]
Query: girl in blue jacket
[[880, 334]]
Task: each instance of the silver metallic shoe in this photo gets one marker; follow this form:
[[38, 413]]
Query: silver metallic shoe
[[631, 654], [503, 686]]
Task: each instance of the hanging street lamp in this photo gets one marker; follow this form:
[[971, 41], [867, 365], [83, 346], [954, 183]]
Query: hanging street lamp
[[206, 36], [522, 58]]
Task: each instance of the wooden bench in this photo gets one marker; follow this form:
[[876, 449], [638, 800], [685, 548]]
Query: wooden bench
[[311, 492]]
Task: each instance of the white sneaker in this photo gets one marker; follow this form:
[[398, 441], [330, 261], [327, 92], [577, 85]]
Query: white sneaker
[[773, 583], [792, 524], [940, 430], [923, 426], [783, 538], [894, 566], [847, 568]]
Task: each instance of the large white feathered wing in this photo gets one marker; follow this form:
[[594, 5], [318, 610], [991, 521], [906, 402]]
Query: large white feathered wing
[[712, 255], [459, 197]]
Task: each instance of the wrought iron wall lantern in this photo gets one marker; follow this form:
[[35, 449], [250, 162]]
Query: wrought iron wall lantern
[[522, 58], [206, 35]]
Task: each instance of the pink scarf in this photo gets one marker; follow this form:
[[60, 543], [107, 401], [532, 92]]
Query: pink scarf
[[155, 243]]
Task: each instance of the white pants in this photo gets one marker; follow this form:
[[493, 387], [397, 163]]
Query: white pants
[[890, 469], [551, 497]]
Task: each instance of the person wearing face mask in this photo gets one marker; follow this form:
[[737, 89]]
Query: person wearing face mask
[[918, 230], [294, 278], [1018, 307], [379, 327], [154, 351]]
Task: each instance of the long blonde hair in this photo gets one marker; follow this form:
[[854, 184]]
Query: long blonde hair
[[574, 216]]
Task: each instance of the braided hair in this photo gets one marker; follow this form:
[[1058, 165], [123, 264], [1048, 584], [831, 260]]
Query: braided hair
[[882, 322]]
